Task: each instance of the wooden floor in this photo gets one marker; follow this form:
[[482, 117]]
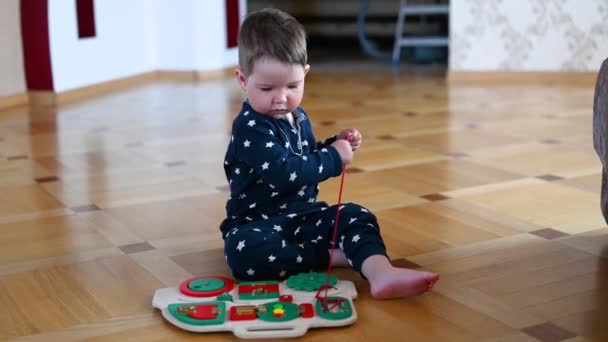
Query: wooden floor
[[496, 188]]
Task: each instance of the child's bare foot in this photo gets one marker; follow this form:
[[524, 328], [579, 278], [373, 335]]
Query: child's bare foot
[[401, 282], [387, 281], [339, 259]]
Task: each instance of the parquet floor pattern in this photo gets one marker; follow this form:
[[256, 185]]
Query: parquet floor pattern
[[494, 187]]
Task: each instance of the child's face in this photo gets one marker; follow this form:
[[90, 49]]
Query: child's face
[[274, 88]]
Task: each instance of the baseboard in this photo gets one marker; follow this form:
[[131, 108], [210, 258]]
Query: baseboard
[[105, 87], [574, 78], [171, 75], [210, 75], [195, 75], [49, 98], [42, 98], [13, 100]]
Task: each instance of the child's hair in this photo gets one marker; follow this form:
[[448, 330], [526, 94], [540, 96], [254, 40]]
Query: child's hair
[[271, 33]]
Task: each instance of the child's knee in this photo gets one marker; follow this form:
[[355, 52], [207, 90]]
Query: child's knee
[[243, 265], [356, 211], [247, 252], [353, 208]]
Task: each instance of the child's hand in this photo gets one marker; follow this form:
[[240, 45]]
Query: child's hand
[[344, 150], [352, 136]]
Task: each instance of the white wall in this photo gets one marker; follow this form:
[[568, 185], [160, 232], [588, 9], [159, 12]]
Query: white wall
[[136, 36], [119, 48], [12, 75], [209, 34], [192, 35], [174, 44], [528, 35]]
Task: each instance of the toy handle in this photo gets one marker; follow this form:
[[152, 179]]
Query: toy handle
[[269, 332]]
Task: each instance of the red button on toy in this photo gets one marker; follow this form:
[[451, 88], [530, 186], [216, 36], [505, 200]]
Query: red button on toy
[[286, 298], [204, 312], [306, 310], [243, 313]]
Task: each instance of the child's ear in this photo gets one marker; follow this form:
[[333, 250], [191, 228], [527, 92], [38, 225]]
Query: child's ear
[[306, 69], [241, 78]]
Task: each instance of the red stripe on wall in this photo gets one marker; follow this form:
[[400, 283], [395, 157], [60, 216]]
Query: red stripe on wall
[[36, 49], [232, 22], [85, 12]]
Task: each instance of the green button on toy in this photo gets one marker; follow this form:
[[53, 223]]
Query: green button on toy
[[310, 281], [206, 284]]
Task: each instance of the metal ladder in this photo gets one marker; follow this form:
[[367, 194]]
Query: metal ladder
[[408, 10]]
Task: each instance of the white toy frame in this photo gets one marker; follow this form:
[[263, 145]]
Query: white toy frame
[[258, 328]]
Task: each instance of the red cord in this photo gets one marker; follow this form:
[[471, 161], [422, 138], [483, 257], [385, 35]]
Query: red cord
[[327, 285]]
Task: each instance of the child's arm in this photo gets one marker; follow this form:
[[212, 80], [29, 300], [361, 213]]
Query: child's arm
[[258, 144], [327, 142], [351, 135]]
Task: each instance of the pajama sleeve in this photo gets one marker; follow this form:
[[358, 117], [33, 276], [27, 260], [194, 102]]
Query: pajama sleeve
[[327, 142], [258, 145]]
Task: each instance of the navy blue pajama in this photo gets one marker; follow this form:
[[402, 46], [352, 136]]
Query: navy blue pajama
[[275, 227]]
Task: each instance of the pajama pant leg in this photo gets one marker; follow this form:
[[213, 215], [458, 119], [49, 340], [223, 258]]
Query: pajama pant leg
[[263, 253], [358, 233], [276, 249]]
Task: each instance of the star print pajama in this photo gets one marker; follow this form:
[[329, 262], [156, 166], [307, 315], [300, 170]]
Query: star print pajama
[[275, 227]]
